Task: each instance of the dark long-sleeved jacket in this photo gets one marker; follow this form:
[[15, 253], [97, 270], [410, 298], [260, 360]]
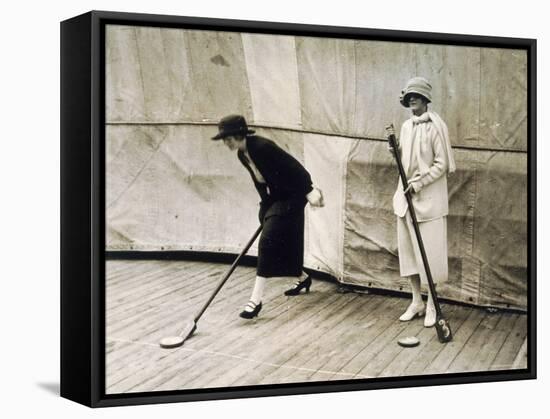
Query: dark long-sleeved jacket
[[287, 181]]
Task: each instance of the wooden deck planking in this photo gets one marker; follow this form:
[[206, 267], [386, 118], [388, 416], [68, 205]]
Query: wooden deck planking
[[512, 346], [446, 356], [494, 339], [219, 320], [159, 365], [175, 304], [187, 290], [520, 361], [384, 335], [208, 340], [316, 337], [215, 315], [313, 358], [156, 323], [147, 283], [292, 339], [119, 266], [430, 349], [253, 342], [356, 338], [387, 349], [134, 271], [171, 302], [404, 357], [168, 320], [468, 358], [158, 285]]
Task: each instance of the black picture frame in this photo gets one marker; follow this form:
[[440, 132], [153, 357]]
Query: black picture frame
[[83, 202]]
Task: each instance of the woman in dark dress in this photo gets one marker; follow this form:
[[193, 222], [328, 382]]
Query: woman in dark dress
[[285, 187]]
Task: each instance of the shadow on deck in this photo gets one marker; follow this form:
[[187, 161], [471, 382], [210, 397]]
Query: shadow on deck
[[321, 336]]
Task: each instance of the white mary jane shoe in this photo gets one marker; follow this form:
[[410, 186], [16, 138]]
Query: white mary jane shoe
[[412, 312]]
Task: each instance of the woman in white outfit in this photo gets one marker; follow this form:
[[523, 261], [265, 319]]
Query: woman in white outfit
[[427, 158]]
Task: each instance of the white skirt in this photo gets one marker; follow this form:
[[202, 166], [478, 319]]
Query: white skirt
[[434, 237]]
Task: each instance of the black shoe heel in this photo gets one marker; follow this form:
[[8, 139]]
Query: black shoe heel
[[251, 314], [299, 286]]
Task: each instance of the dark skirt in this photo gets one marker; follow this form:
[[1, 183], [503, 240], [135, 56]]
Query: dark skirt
[[281, 246]]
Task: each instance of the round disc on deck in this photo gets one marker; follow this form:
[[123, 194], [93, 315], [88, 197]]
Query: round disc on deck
[[409, 342], [171, 342], [174, 341]]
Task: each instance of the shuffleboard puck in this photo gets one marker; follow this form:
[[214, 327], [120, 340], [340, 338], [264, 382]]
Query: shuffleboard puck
[[408, 342]]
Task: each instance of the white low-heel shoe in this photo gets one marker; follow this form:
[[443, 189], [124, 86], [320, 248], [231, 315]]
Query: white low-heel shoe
[[429, 320], [412, 312]]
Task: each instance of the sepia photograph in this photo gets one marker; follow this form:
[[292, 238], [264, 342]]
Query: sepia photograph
[[288, 209]]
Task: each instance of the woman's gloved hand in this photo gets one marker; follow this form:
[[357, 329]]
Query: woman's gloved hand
[[315, 198], [414, 185]]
